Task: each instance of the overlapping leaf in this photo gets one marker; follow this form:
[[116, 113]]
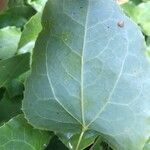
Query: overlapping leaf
[[90, 72], [30, 33], [9, 39], [18, 134], [13, 67]]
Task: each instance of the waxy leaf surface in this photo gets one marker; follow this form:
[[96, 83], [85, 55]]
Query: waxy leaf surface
[[90, 72]]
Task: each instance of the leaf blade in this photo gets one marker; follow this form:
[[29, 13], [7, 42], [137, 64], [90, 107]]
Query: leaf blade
[[91, 81]]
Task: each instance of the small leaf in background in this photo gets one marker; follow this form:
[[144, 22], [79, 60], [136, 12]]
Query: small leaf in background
[[16, 15], [140, 14], [37, 4], [100, 145], [130, 9], [13, 67], [9, 39], [143, 17], [18, 134], [122, 1], [56, 144], [14, 88], [30, 33], [9, 107], [147, 145]]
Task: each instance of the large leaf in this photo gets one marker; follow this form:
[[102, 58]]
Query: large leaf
[[13, 67], [17, 134], [9, 39], [90, 73]]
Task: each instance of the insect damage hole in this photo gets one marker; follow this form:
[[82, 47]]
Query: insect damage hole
[[120, 24]]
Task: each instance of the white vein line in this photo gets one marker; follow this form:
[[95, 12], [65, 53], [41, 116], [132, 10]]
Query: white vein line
[[71, 16], [72, 50], [101, 22], [21, 141], [51, 86], [82, 65], [69, 74], [115, 85], [119, 104], [73, 19], [105, 48]]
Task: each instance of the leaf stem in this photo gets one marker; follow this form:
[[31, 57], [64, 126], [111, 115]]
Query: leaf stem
[[80, 139]]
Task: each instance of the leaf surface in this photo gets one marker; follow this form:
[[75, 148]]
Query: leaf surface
[[9, 39], [90, 73], [13, 67], [17, 133], [9, 107]]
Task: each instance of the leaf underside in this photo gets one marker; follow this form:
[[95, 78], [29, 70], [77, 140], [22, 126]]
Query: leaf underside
[[89, 72]]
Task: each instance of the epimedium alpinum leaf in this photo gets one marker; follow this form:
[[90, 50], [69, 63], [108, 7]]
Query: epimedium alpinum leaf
[[17, 133], [90, 72]]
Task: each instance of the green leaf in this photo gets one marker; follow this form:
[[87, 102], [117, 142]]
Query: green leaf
[[14, 88], [90, 72], [9, 107], [9, 39], [17, 134], [30, 33], [37, 4], [17, 15], [13, 67], [147, 145], [56, 144], [71, 139], [130, 10], [143, 17], [16, 3]]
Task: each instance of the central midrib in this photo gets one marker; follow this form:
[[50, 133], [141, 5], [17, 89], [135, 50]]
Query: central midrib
[[82, 65]]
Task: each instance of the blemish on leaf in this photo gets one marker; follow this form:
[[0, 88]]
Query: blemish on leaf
[[65, 36], [120, 24]]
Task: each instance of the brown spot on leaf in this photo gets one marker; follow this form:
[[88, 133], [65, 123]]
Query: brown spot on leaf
[[120, 24]]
